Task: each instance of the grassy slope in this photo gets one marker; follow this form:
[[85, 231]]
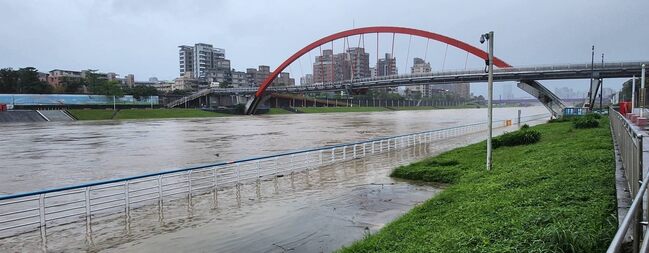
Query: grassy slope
[[278, 111], [340, 109], [165, 113], [554, 196], [99, 114], [91, 114]]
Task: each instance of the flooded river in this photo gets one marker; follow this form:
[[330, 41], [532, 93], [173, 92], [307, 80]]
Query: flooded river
[[314, 211], [44, 155]]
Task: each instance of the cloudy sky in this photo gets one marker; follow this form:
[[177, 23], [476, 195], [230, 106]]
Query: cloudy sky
[[141, 37]]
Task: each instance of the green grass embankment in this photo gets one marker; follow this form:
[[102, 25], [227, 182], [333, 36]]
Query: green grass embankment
[[92, 114], [340, 109], [99, 114], [274, 111], [556, 195]]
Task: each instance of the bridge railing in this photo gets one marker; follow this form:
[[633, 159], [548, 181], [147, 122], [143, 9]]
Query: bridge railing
[[629, 142], [30, 211]]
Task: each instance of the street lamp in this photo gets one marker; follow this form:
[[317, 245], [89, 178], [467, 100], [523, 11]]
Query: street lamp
[[642, 92], [490, 83]]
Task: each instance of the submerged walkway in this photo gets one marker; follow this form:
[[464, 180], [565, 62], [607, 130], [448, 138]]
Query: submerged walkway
[[313, 210]]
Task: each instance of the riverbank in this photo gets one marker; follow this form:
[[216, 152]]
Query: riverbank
[[162, 113], [99, 114], [360, 109], [557, 195]]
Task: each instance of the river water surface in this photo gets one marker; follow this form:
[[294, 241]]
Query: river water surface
[[314, 211]]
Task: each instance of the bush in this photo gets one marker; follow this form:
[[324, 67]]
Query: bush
[[525, 126], [558, 120], [521, 137], [593, 116], [586, 122]]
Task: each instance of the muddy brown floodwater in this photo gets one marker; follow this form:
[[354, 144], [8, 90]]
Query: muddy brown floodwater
[[318, 210]]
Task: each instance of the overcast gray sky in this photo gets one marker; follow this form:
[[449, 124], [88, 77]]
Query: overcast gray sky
[[141, 37]]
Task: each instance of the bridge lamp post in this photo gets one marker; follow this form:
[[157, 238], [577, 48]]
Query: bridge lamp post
[[490, 84]]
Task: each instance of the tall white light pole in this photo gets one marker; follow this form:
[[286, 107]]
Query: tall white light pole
[[490, 83], [632, 94], [642, 92]]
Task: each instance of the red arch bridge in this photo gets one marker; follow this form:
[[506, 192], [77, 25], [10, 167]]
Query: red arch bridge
[[527, 77]]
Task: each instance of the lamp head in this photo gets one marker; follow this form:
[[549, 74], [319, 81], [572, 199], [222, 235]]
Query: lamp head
[[484, 38]]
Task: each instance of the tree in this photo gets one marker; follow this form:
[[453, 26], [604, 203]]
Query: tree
[[144, 91], [108, 88], [8, 80], [625, 94], [29, 82], [24, 80], [71, 84]]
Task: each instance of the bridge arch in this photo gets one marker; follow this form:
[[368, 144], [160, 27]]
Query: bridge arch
[[252, 105], [377, 29]]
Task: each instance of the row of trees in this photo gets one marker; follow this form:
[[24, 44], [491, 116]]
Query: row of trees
[[26, 81], [625, 93]]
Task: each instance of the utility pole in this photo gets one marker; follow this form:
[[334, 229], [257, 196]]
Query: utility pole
[[642, 92], [490, 83], [592, 77], [632, 94], [601, 84]]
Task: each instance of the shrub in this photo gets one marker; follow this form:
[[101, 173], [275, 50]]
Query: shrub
[[557, 120], [521, 137], [593, 116], [525, 126], [586, 122]]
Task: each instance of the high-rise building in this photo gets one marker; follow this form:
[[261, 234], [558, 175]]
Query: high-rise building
[[330, 67], [284, 79], [419, 66], [186, 54], [387, 66], [255, 77], [306, 79], [204, 61], [239, 79], [130, 80], [360, 62]]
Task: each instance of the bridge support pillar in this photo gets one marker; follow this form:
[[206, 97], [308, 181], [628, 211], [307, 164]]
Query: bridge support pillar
[[545, 96]]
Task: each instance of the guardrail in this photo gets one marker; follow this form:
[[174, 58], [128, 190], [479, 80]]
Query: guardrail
[[30, 211], [630, 145]]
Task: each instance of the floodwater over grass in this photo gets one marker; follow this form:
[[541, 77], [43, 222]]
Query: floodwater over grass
[[557, 195]]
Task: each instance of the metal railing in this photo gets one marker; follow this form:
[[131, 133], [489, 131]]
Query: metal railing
[[629, 142], [30, 211]]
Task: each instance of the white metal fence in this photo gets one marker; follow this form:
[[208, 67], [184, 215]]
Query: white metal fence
[[629, 142]]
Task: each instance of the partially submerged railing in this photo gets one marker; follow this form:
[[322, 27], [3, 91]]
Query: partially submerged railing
[[629, 142], [24, 212]]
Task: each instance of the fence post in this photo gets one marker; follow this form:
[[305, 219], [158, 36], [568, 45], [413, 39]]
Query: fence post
[[87, 192], [321, 157], [41, 211], [160, 196], [238, 174], [127, 201], [637, 225]]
